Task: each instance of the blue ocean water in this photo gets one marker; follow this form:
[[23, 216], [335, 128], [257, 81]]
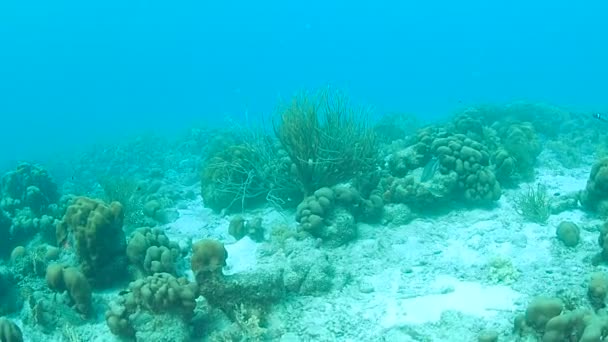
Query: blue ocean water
[[74, 72]]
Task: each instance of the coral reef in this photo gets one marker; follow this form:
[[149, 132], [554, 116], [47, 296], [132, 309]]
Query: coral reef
[[94, 229], [147, 200], [309, 271], [161, 293], [595, 196], [208, 258], [534, 204], [10, 298], [229, 180], [326, 139], [74, 282], [339, 171], [322, 217], [597, 290], [470, 160], [545, 316], [28, 186], [150, 251], [6, 244], [29, 202], [463, 173], [521, 142], [246, 173], [322, 141], [240, 227], [255, 290], [602, 240], [568, 233]]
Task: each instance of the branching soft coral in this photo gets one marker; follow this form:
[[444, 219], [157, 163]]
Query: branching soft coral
[[229, 179], [534, 204], [326, 139]]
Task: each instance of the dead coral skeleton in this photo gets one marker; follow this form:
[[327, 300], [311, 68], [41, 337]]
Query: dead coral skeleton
[[249, 321]]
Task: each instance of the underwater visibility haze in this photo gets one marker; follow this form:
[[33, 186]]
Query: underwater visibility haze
[[155, 65], [303, 171]]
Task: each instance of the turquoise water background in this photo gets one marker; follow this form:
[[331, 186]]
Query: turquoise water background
[[77, 72]]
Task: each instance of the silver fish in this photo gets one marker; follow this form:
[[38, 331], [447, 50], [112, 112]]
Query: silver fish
[[429, 170]]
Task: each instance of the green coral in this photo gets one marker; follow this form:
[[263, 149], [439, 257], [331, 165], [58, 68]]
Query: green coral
[[127, 192], [534, 204], [254, 171], [320, 141], [326, 139], [229, 179]]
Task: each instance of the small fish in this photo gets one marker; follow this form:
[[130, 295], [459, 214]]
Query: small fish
[[429, 169], [600, 116]]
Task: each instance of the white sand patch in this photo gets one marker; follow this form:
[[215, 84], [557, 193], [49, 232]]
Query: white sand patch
[[191, 222], [576, 180], [241, 256], [196, 222], [450, 294], [458, 252], [188, 224]]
